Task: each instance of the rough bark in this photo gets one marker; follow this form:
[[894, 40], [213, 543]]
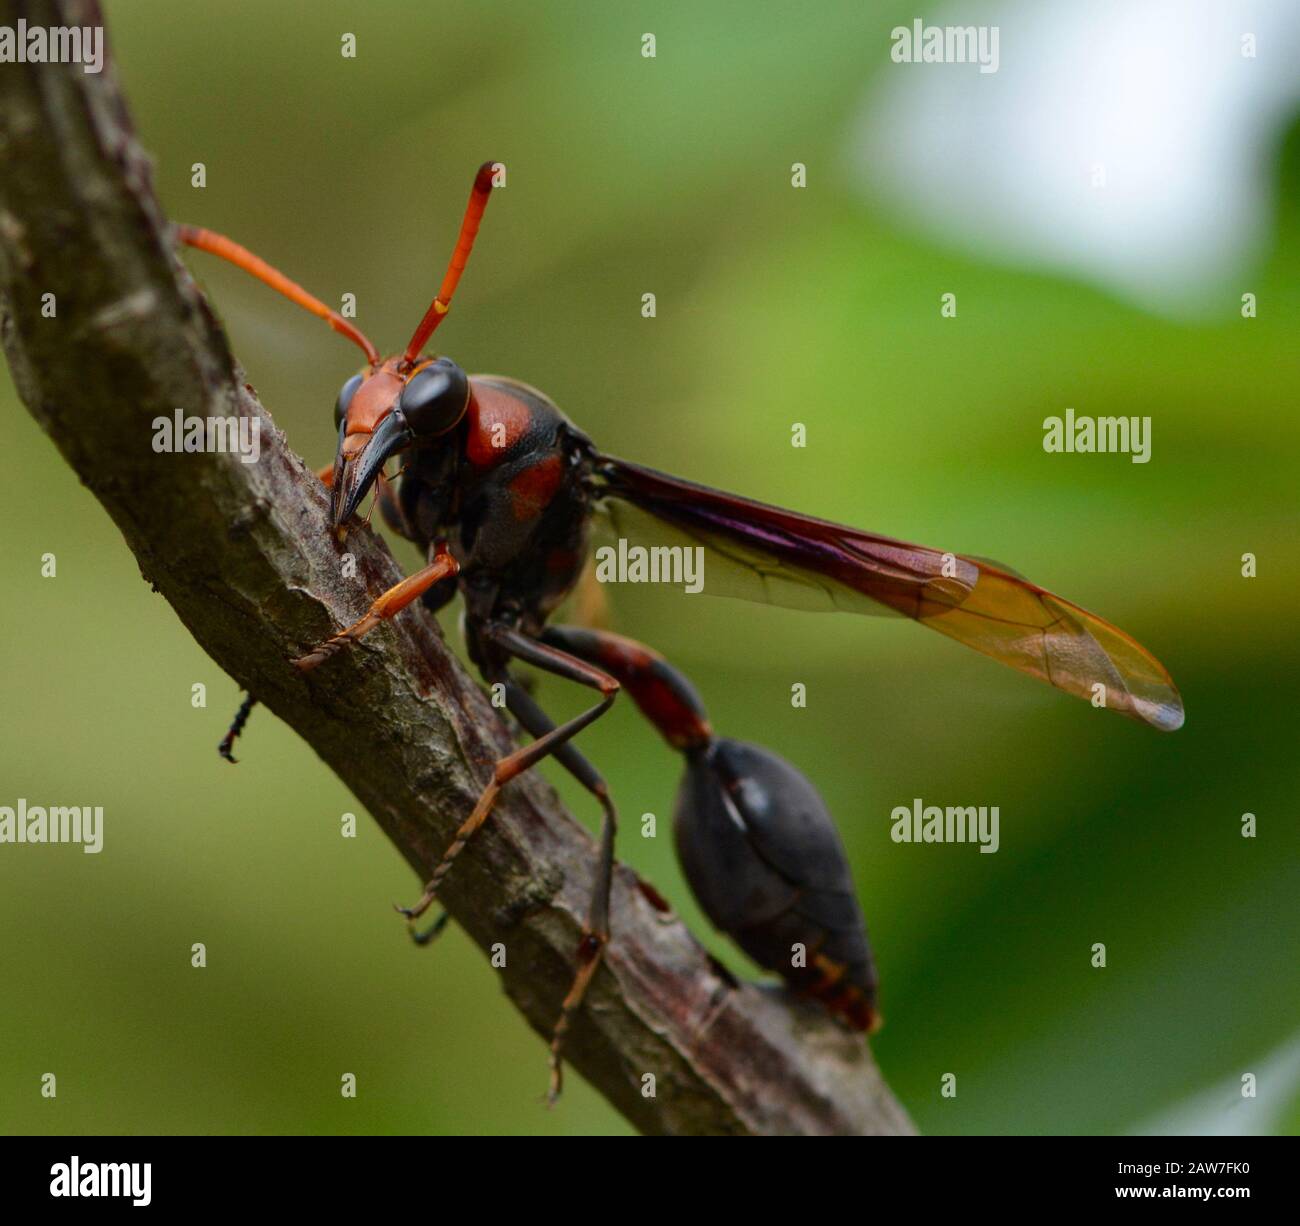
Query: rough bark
[[243, 554]]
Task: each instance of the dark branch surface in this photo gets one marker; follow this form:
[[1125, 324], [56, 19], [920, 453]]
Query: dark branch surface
[[244, 556]]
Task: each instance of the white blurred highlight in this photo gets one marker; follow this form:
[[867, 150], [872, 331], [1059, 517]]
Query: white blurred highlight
[[1157, 94]]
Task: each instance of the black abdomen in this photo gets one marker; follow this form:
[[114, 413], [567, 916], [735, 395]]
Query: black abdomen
[[763, 857]]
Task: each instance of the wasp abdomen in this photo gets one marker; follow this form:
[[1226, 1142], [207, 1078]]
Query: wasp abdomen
[[761, 853]]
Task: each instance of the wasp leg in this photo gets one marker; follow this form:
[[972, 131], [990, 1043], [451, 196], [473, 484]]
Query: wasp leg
[[514, 764], [236, 727], [432, 932], [392, 602], [390, 507], [596, 930], [533, 720], [551, 740]]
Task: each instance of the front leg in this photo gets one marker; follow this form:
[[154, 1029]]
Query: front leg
[[392, 602]]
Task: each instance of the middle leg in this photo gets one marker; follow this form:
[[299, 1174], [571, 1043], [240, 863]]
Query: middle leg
[[552, 740]]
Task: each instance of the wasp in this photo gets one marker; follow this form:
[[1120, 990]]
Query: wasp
[[499, 489]]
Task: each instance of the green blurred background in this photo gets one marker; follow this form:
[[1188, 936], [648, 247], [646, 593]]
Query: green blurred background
[[775, 305]]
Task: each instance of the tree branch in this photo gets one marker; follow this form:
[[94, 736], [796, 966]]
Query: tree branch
[[243, 554]]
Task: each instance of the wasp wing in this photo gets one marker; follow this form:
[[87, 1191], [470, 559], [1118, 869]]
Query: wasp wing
[[773, 556]]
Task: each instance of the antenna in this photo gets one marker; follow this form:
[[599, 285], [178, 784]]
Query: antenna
[[438, 308]]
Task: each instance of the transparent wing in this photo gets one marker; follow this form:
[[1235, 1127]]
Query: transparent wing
[[763, 553]]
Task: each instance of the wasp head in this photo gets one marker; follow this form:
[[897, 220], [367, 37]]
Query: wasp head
[[385, 410]]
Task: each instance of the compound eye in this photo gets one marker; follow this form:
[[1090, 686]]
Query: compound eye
[[348, 390], [435, 398]]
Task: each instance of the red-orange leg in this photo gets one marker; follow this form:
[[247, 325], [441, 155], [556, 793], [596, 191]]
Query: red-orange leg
[[392, 602]]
